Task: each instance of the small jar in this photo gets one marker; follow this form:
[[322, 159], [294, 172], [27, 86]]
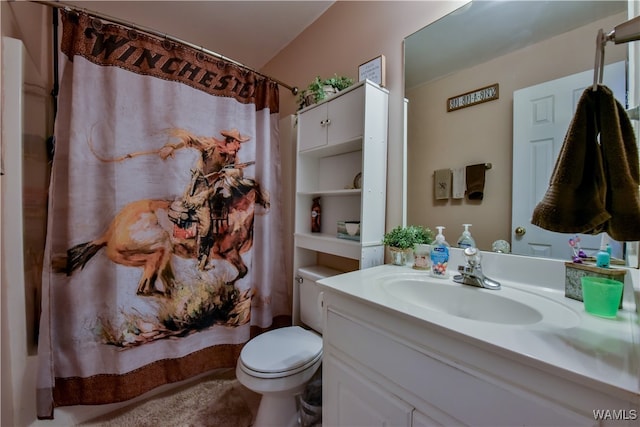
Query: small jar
[[421, 257]]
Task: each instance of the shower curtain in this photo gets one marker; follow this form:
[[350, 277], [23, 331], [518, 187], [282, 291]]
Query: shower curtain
[[164, 250]]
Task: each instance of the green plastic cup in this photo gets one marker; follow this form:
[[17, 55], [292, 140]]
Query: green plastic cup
[[601, 296]]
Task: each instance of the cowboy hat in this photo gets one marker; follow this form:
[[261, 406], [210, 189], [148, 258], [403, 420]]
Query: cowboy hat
[[235, 134]]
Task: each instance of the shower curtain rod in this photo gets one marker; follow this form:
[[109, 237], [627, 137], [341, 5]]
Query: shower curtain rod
[[60, 5]]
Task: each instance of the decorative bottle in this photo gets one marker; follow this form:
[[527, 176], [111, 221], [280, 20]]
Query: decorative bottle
[[315, 215]]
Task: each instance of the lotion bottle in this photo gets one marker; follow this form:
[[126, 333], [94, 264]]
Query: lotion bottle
[[465, 240], [439, 255]]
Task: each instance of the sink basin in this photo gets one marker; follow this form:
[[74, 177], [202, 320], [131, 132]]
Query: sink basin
[[506, 306]]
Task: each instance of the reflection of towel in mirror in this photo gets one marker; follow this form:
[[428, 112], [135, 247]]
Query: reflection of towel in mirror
[[458, 183], [475, 175], [594, 185], [442, 179]]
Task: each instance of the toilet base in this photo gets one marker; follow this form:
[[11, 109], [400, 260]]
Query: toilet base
[[278, 410], [278, 402], [279, 388]]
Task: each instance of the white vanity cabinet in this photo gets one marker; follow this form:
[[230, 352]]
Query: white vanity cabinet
[[338, 139], [381, 368]]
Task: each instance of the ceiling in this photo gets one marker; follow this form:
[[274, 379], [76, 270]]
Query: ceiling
[[249, 32], [488, 29]]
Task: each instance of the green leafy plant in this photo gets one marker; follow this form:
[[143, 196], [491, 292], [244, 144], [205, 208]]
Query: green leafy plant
[[338, 82], [423, 235], [315, 91], [407, 237]]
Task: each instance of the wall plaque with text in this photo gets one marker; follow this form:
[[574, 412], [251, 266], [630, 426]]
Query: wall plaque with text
[[478, 96], [373, 70]]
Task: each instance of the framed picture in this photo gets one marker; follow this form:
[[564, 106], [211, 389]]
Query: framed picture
[[373, 70]]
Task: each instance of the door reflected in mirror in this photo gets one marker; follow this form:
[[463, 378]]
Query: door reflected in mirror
[[517, 44]]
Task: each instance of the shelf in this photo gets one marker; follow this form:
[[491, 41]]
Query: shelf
[[334, 149], [345, 192], [328, 243]]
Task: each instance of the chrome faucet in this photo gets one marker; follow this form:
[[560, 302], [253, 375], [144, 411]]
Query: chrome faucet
[[472, 272]]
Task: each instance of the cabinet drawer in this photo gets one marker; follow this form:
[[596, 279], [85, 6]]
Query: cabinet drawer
[[462, 394]]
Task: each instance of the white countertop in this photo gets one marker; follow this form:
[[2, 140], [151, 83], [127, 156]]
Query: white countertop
[[604, 353]]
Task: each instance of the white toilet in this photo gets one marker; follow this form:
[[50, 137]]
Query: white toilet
[[279, 363]]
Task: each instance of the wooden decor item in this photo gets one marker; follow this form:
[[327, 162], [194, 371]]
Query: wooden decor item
[[478, 96]]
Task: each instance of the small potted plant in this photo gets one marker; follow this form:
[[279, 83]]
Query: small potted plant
[[320, 89], [402, 240]]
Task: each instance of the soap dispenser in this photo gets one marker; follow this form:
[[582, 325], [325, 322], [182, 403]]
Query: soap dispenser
[[439, 255], [465, 240]]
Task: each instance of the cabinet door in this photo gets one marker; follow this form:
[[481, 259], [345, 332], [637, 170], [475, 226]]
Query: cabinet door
[[346, 117], [312, 128], [356, 401]]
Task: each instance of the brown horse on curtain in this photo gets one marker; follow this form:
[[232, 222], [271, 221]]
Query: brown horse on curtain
[[141, 235]]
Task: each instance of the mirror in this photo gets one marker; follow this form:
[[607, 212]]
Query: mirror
[[516, 45]]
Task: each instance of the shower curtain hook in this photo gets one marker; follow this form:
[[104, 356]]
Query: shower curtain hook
[[166, 43], [200, 54]]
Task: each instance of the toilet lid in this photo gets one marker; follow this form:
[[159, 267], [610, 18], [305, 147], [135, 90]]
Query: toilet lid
[[281, 350]]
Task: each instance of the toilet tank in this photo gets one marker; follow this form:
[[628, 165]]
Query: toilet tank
[[310, 295]]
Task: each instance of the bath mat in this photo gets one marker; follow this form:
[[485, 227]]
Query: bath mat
[[211, 402]]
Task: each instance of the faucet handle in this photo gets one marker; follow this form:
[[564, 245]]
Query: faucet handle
[[472, 256], [465, 269]]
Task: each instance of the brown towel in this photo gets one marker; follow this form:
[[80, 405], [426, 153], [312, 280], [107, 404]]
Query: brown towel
[[575, 199], [475, 181], [594, 185], [621, 167]]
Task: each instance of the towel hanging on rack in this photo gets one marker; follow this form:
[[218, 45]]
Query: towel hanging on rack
[[594, 185]]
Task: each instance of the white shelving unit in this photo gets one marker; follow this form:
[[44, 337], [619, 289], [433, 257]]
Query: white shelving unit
[[337, 139]]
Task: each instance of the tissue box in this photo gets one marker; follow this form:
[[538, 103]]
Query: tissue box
[[574, 272], [353, 226]]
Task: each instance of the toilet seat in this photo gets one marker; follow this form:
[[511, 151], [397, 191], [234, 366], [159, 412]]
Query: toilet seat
[[281, 352]]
